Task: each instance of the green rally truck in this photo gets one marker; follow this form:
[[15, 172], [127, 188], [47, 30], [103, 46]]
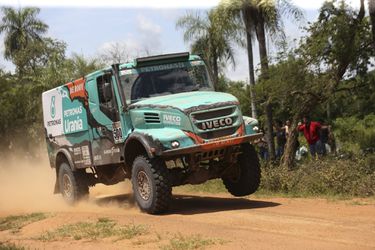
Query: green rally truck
[[156, 121]]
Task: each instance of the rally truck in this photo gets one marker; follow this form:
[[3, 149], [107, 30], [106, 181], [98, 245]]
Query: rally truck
[[154, 120]]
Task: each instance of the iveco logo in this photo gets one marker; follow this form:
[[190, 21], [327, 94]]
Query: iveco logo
[[217, 123]]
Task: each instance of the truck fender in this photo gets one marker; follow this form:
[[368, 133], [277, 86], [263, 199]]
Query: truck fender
[[60, 155], [67, 155], [132, 147]]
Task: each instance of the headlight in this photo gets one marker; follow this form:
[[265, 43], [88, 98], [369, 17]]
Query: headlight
[[175, 144], [255, 128]]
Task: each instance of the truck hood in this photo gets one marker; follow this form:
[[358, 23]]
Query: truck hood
[[188, 100]]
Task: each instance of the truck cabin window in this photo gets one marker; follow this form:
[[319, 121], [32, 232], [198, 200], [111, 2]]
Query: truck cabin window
[[106, 102], [165, 79]]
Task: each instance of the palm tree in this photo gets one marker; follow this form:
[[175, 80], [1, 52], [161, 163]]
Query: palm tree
[[21, 27], [240, 14], [261, 17], [210, 35]]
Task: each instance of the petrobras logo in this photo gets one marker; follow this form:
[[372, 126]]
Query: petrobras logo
[[218, 123], [53, 107]]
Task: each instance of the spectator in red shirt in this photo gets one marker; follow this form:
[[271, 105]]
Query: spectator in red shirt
[[310, 130]]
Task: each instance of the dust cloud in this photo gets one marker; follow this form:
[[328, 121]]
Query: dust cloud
[[26, 185]]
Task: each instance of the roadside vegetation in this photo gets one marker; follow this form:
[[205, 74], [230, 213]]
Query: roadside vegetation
[[102, 228], [15, 223]]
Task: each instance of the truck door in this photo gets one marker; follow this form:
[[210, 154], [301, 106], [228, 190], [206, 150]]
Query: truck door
[[104, 120]]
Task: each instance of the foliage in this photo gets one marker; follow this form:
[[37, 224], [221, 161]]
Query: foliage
[[211, 35], [239, 89], [350, 177], [21, 27], [360, 132]]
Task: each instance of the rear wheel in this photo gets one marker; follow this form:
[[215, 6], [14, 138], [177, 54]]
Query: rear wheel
[[247, 179], [73, 186], [151, 185]]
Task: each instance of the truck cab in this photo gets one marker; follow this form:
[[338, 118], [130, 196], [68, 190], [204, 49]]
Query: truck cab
[[154, 120]]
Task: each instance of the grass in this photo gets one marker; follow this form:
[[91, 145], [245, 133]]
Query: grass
[[196, 241], [16, 222], [103, 228], [10, 246]]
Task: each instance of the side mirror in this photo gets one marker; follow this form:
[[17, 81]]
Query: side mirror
[[107, 92]]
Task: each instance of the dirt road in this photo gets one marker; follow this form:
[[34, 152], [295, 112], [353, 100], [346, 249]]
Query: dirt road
[[194, 220], [229, 222]]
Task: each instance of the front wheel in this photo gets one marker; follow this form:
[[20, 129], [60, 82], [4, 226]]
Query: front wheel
[[73, 186], [151, 185], [247, 179]]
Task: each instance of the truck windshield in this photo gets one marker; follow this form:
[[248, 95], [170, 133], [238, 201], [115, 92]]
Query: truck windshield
[[164, 79]]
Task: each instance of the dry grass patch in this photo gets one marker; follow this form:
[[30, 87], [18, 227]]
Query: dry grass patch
[[10, 246], [196, 241], [103, 228], [16, 222]]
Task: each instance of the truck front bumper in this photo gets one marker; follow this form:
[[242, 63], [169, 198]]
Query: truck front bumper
[[211, 145]]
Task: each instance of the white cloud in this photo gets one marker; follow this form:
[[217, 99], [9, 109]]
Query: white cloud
[[147, 26]]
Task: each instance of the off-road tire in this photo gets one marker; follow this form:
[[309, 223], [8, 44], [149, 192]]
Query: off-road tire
[[72, 184], [248, 179], [154, 196]]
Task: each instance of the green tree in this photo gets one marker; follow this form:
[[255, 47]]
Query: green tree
[[211, 36], [338, 45], [82, 66], [21, 27]]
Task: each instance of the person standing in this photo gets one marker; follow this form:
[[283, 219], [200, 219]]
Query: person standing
[[310, 130]]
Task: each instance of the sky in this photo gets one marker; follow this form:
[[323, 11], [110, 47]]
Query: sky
[[89, 27]]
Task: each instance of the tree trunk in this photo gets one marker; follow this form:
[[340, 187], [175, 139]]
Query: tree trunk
[[291, 143], [269, 132], [250, 59], [215, 69], [261, 36], [371, 10]]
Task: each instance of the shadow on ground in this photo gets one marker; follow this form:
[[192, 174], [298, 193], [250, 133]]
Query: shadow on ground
[[192, 204]]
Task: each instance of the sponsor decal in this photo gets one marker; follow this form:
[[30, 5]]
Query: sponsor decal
[[77, 151], [86, 155], [162, 67], [111, 151], [77, 89], [97, 157], [223, 122], [72, 120], [52, 113], [172, 119]]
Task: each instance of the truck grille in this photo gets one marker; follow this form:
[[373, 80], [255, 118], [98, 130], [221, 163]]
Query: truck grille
[[151, 117], [215, 123]]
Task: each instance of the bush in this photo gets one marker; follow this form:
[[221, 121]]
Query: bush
[[356, 134], [351, 177]]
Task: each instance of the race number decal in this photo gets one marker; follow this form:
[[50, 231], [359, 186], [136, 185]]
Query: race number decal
[[117, 132]]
